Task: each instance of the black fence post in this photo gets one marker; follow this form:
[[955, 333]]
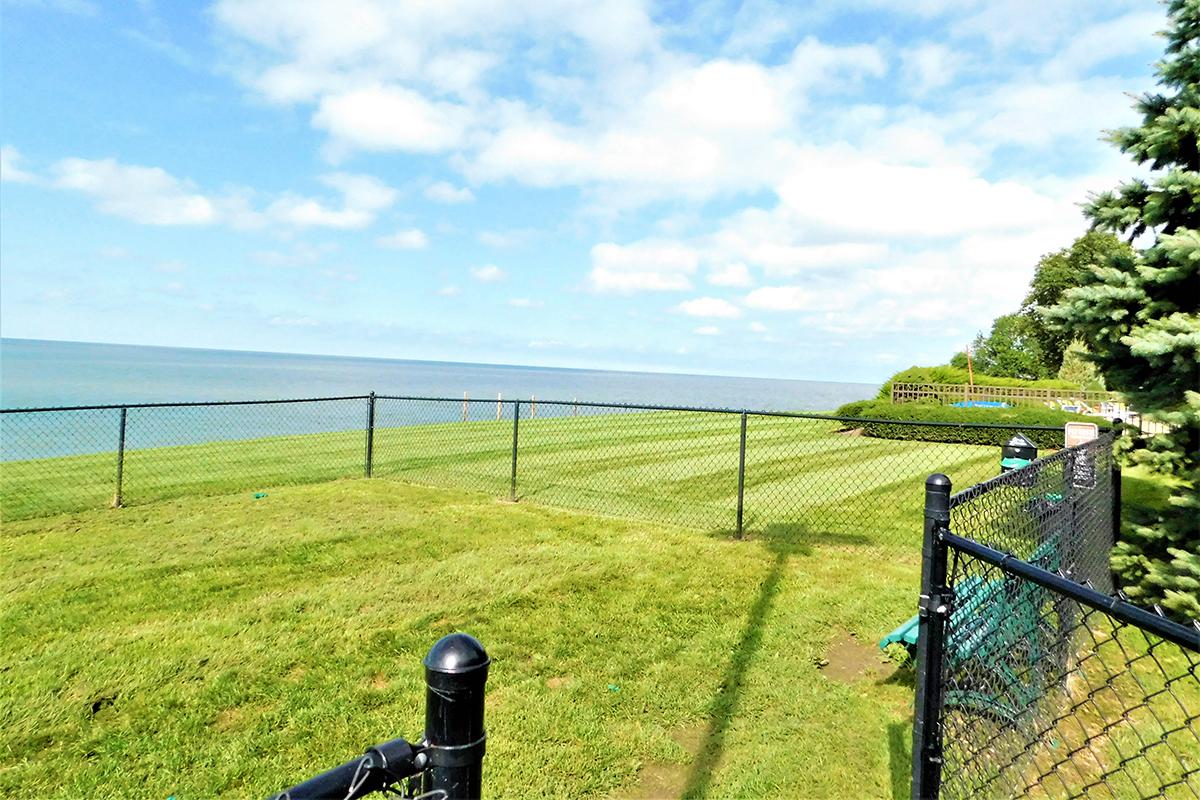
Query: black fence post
[[117, 498], [456, 670], [741, 476], [370, 434], [512, 486], [933, 611]]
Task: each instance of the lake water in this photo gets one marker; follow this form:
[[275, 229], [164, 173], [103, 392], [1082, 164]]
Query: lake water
[[42, 373]]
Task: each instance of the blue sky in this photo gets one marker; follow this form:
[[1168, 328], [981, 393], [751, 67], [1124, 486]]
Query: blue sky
[[828, 190]]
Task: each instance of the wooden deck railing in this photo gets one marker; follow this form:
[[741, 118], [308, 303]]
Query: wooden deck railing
[[1101, 404]]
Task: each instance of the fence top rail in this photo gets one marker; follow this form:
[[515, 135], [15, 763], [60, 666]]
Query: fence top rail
[[185, 404], [636, 407], [575, 403], [983, 487], [1152, 621]]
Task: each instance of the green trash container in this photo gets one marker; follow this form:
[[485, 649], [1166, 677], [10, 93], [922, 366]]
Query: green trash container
[[1017, 452]]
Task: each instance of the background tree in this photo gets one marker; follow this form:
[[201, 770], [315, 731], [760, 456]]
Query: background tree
[[1055, 273], [1139, 314], [1078, 368], [1010, 350]]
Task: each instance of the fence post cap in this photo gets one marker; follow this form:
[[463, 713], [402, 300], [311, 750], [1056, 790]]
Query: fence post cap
[[456, 654], [937, 479]]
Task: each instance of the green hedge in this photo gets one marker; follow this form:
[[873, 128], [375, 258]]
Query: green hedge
[[930, 412], [960, 376]]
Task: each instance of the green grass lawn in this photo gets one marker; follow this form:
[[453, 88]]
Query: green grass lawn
[[201, 641], [227, 645]]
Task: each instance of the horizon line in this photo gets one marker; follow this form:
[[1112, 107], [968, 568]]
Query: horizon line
[[425, 361]]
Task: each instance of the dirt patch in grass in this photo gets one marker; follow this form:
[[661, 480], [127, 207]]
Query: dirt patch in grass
[[228, 718], [661, 781], [852, 432], [848, 660], [558, 682]]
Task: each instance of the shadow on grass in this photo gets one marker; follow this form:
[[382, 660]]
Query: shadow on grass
[[900, 759], [783, 541]]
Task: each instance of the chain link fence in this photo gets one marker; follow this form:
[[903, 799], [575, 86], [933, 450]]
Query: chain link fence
[[843, 479], [1034, 679], [69, 459]]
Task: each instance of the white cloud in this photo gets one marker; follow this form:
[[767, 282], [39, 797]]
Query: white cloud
[[488, 273], [1037, 114], [147, 195], [384, 118], [783, 298], [706, 330], [410, 239], [709, 307], [757, 327], [361, 191], [171, 266], [734, 274], [1126, 35], [525, 302], [448, 193], [642, 266], [152, 196], [363, 196], [448, 291], [826, 189], [10, 171], [304, 212], [930, 66], [696, 130]]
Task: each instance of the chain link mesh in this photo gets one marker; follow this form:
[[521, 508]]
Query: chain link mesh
[[1044, 695], [1056, 512], [835, 480], [1047, 697], [57, 461]]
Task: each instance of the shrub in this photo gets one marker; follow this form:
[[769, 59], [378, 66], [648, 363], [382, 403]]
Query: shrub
[[955, 375], [882, 412]]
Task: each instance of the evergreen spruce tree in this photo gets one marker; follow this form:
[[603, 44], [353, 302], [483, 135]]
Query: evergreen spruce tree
[[1139, 314]]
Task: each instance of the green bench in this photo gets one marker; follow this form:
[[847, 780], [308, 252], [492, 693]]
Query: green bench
[[997, 639]]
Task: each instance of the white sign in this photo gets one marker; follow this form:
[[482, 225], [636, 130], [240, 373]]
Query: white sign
[[1078, 433]]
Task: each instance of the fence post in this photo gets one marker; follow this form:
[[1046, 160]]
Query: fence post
[[465, 401], [933, 612], [512, 488], [741, 475], [370, 434], [117, 499], [456, 670]]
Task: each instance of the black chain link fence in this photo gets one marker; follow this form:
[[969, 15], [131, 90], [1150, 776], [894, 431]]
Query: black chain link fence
[[1034, 679], [717, 469]]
